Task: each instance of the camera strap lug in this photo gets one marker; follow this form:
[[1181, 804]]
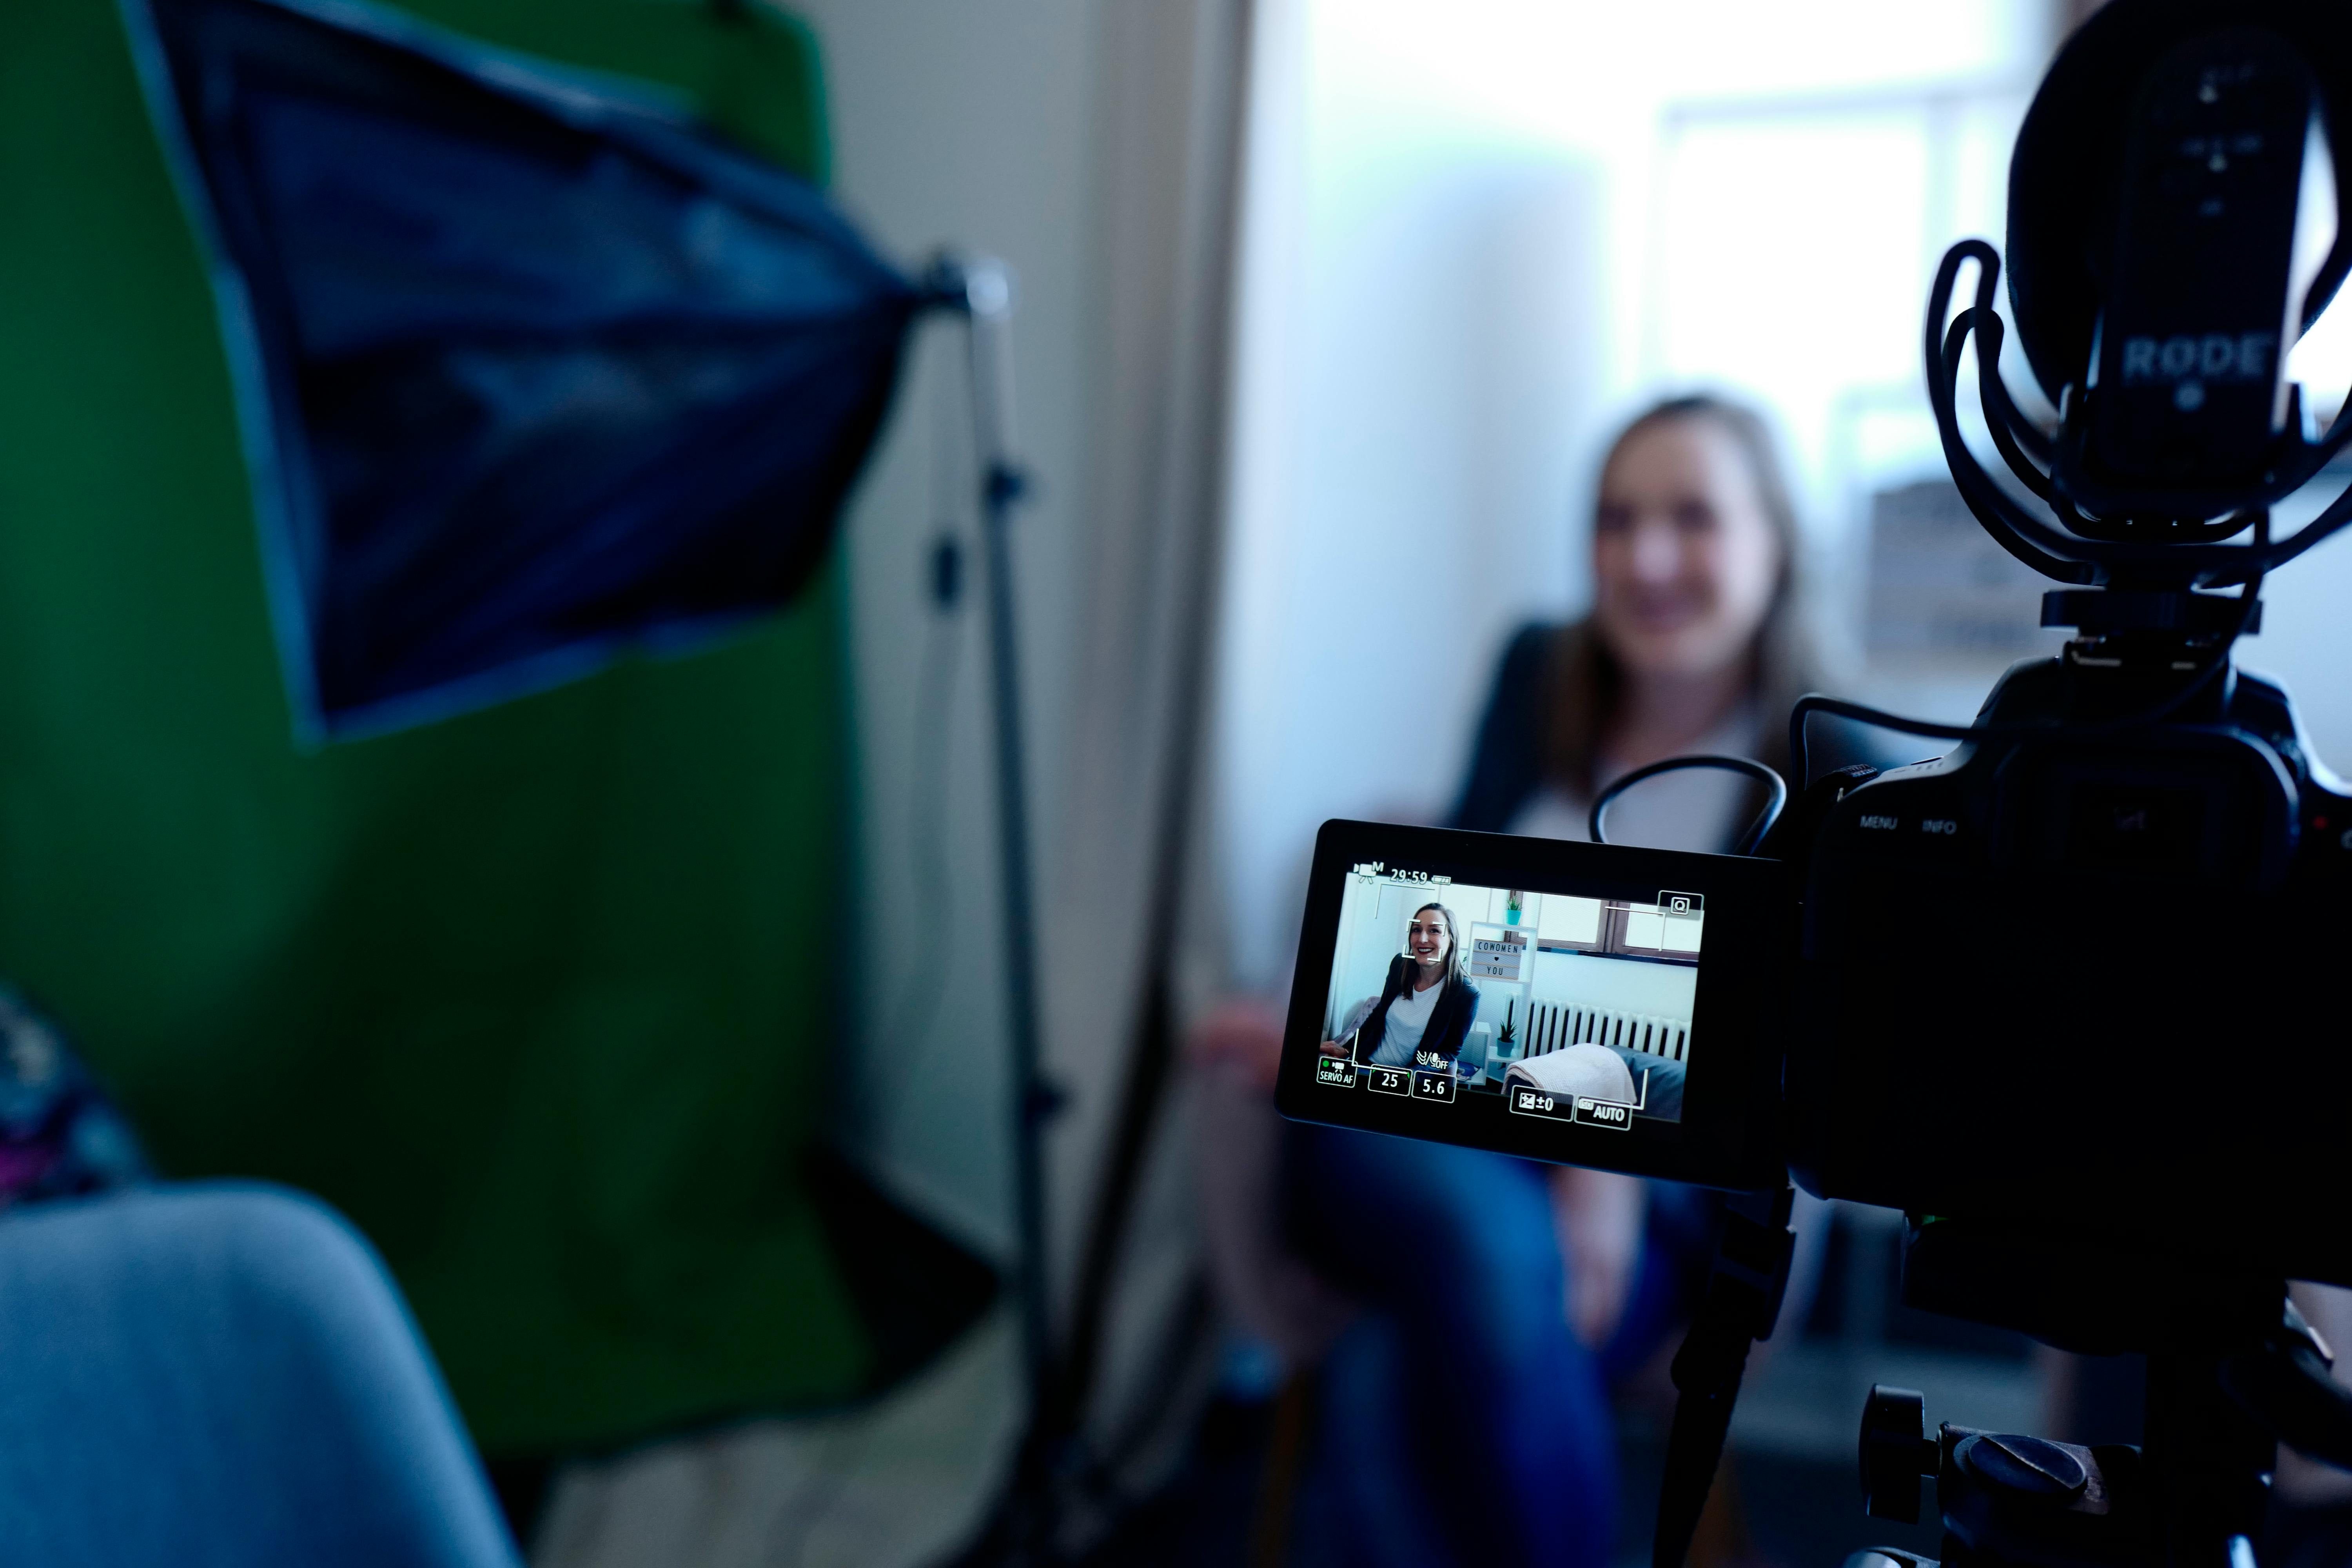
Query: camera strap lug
[[1744, 1289]]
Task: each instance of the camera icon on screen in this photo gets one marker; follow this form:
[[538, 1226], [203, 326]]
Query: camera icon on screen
[[1689, 905]]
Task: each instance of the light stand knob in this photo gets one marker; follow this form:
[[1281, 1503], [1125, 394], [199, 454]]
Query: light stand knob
[[1896, 1452]]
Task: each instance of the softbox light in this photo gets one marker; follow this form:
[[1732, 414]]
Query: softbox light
[[530, 371]]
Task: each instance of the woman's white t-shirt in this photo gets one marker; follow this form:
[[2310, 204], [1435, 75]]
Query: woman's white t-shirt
[[1408, 1021], [1693, 808]]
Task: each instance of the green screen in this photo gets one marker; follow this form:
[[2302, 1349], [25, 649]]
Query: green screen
[[541, 996]]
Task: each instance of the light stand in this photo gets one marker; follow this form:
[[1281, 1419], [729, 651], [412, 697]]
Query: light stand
[[1025, 1527]]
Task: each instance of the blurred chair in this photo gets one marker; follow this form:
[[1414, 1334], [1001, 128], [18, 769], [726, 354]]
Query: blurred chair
[[223, 1374]]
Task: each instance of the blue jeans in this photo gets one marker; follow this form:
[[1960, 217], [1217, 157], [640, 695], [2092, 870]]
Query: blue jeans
[[1461, 1421], [223, 1375]]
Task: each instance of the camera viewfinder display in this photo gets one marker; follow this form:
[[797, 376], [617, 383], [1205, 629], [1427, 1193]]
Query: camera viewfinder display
[[1591, 1004], [1577, 1007]]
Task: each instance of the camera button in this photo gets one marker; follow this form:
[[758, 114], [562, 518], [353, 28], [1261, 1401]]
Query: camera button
[[1909, 834]]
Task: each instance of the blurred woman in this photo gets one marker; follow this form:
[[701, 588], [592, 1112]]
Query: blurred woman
[[1696, 642], [1549, 1282]]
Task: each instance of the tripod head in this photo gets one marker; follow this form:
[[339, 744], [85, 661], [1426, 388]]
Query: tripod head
[[2233, 1370]]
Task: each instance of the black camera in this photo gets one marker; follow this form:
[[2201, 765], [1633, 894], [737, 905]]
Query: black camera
[[2067, 994], [2082, 964]]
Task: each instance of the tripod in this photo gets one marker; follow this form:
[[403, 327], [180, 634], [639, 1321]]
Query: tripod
[[2233, 1370]]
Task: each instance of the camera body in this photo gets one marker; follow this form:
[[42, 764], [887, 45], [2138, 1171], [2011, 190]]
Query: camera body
[[2084, 981], [2076, 982]]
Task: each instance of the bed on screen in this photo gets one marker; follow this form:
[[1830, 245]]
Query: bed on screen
[[1630, 1059]]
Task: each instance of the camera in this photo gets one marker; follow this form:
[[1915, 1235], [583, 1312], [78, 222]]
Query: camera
[[2083, 964], [2069, 995]]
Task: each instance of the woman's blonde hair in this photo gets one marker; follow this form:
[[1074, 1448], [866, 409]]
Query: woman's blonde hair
[[1586, 681]]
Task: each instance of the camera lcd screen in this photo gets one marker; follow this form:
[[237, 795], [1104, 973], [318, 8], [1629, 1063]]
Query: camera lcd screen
[[1588, 1003]]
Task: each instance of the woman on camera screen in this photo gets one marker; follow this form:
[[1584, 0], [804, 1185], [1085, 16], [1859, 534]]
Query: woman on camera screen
[[1424, 1011]]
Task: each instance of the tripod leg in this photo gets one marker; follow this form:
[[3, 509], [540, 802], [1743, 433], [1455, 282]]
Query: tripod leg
[[2204, 1458], [1708, 1371], [1742, 1301]]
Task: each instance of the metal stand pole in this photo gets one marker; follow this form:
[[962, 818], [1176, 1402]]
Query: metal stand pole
[[1028, 1523]]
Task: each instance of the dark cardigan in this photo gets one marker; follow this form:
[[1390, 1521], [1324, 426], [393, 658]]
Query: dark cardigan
[[1506, 764]]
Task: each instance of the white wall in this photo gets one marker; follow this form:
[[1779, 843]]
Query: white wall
[[1372, 916], [2305, 642], [967, 124], [1450, 257], [1415, 320], [1617, 984]]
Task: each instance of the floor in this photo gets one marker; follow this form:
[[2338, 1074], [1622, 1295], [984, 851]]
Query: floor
[[1793, 1461], [899, 1483], [907, 1480]]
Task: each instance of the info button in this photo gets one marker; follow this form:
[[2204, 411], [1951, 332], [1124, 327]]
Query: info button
[[1936, 835]]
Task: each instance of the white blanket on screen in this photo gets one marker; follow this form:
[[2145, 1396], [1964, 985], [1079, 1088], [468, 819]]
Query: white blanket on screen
[[1586, 1071]]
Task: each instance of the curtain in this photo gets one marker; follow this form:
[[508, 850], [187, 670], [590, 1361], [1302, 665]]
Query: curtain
[[1175, 91]]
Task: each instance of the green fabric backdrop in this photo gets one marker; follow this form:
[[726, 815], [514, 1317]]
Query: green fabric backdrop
[[524, 993]]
